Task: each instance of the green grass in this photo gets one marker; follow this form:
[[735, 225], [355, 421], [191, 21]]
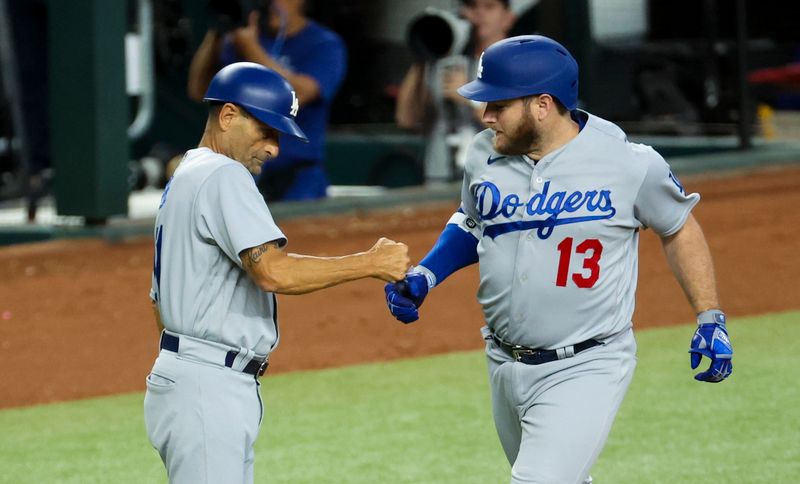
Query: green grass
[[428, 421]]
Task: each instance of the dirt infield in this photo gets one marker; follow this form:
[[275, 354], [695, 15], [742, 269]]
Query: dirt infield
[[75, 318]]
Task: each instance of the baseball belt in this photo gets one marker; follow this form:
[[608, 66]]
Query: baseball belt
[[254, 366], [533, 356]]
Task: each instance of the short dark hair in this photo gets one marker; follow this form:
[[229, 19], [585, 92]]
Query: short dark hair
[[469, 3]]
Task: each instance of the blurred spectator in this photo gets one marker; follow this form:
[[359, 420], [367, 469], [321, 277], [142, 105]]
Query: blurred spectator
[[428, 101], [311, 57]]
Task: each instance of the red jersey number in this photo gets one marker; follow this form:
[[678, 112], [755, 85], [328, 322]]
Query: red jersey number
[[591, 249]]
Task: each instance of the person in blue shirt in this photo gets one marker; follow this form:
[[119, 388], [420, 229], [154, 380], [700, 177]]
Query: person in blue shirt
[[312, 58]]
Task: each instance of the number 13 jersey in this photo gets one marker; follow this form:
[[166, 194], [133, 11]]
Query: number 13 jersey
[[558, 239]]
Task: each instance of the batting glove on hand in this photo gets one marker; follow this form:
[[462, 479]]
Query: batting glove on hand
[[405, 297], [711, 340]]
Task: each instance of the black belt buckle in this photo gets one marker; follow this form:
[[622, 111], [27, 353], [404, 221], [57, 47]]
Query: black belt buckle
[[519, 352], [263, 367]]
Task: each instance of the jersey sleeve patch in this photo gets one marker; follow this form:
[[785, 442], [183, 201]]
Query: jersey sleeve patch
[[662, 202], [465, 223]]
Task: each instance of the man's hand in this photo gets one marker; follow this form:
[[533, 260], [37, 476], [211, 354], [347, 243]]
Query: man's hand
[[405, 297], [245, 39], [711, 340], [390, 259], [454, 77]]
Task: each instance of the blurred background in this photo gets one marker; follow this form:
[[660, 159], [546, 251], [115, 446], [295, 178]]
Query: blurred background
[[95, 112], [99, 100]]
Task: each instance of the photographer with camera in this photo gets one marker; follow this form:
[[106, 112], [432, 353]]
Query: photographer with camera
[[447, 51], [278, 34]]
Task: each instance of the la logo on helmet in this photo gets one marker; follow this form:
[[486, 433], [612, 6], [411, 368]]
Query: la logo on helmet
[[480, 66], [295, 105]]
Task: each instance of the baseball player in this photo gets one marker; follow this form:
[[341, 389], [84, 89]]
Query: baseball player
[[552, 204], [219, 261]]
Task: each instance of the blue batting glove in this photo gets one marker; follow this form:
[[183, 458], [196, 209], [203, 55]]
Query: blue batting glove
[[711, 340], [405, 297]]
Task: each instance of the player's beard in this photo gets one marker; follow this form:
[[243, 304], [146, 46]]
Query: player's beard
[[521, 140]]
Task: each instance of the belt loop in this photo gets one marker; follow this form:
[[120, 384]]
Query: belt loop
[[242, 359], [565, 352]]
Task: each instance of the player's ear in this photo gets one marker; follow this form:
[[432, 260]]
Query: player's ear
[[227, 115], [546, 105]]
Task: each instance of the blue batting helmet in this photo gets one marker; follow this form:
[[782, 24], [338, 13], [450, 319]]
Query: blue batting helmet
[[262, 92], [523, 66]]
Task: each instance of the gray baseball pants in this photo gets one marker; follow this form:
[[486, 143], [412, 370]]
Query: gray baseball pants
[[202, 417], [553, 419]]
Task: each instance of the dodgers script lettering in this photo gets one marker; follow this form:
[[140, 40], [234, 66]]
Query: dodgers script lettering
[[492, 204]]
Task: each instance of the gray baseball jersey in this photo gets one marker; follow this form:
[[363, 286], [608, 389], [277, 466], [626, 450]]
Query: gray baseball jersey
[[558, 239], [211, 210]]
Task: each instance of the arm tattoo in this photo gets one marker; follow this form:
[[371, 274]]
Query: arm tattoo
[[255, 253]]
